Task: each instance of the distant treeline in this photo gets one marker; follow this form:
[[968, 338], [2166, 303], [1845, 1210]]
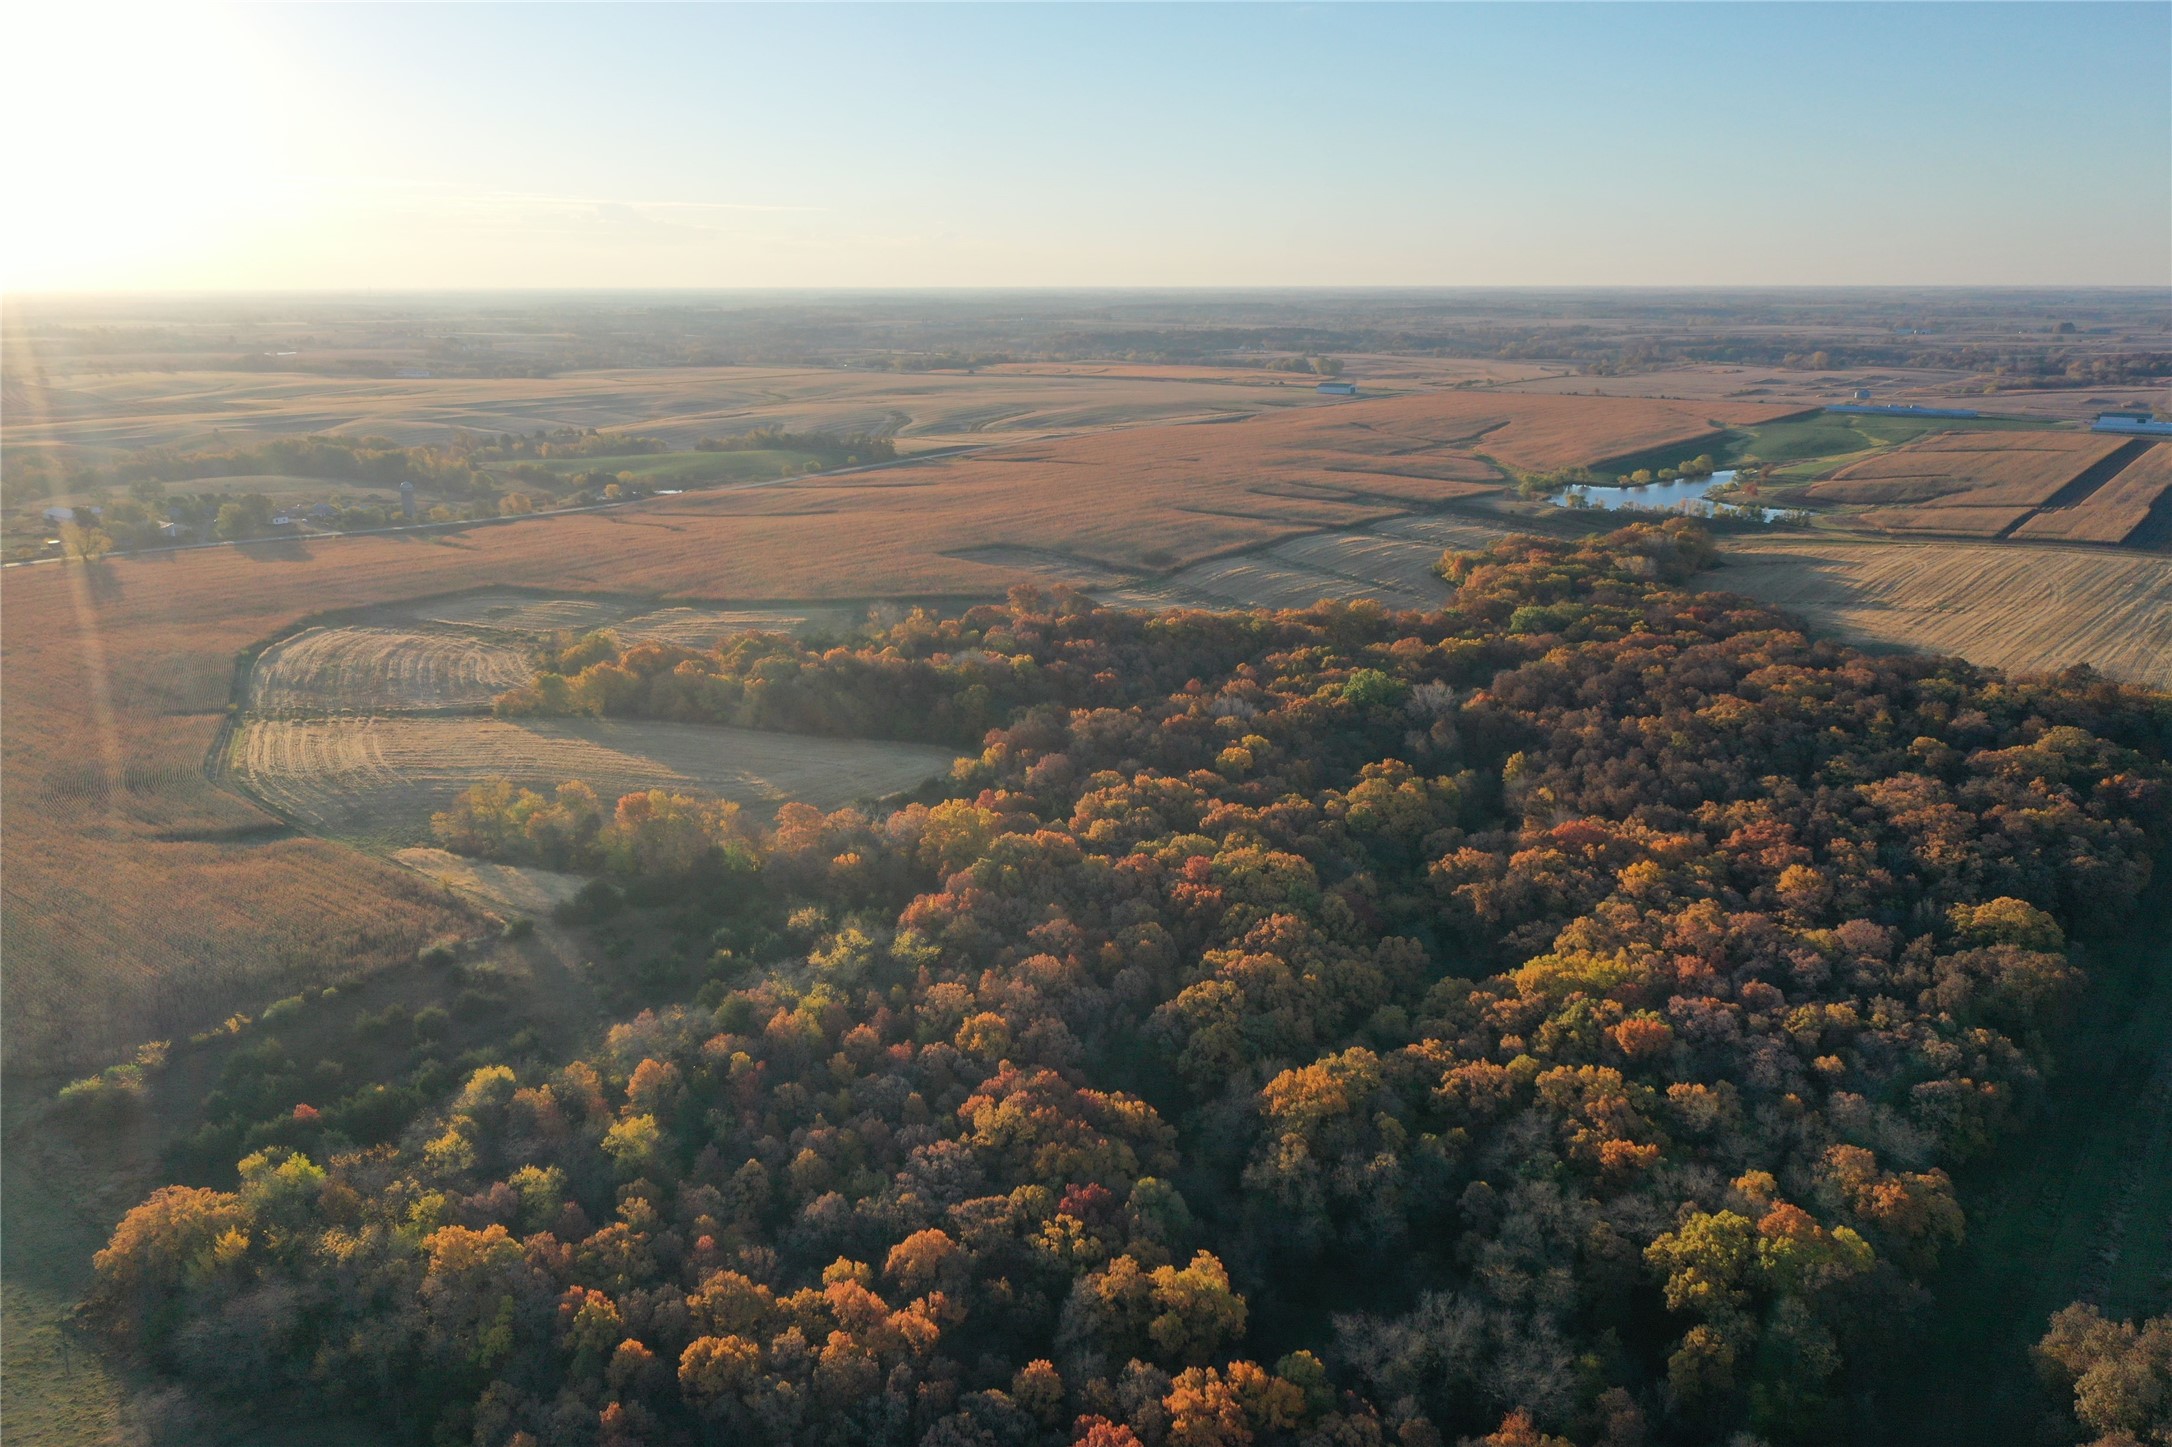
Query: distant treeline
[[471, 466], [830, 449]]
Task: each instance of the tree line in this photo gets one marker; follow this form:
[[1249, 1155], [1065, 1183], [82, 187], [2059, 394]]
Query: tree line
[[468, 466]]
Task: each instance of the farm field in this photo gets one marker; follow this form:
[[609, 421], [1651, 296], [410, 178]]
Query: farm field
[[383, 670], [2048, 485], [1384, 371], [377, 780], [2114, 512], [2020, 608], [2012, 469], [508, 611], [1394, 563], [1947, 519], [680, 404], [1812, 447], [1906, 386], [121, 675]]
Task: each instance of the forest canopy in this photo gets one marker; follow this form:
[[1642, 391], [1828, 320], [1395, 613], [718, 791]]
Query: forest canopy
[[1552, 1018]]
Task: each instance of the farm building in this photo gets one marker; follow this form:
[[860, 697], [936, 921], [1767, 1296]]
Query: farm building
[[1337, 389], [2132, 420]]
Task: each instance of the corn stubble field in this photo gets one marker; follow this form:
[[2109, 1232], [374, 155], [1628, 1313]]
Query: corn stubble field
[[2021, 608], [143, 898], [2070, 486]]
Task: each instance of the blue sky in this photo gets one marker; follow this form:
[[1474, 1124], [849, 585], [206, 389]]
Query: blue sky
[[1227, 144]]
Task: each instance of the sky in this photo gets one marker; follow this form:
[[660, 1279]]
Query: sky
[[405, 147]]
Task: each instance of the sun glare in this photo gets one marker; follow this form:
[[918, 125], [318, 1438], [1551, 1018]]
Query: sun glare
[[142, 141]]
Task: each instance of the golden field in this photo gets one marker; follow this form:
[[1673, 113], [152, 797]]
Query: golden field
[[2028, 609], [2116, 511], [680, 404], [141, 898], [2044, 486]]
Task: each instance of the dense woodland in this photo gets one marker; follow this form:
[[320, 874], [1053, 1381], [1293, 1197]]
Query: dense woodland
[[1549, 1019]]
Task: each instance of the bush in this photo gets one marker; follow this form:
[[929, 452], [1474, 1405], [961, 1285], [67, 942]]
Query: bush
[[114, 1092], [597, 900]]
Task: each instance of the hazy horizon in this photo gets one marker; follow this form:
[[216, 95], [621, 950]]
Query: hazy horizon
[[328, 149]]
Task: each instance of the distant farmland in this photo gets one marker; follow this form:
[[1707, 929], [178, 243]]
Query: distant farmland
[[680, 404], [2070, 486], [141, 898]]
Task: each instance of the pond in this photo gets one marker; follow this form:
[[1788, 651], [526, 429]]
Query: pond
[[1685, 495]]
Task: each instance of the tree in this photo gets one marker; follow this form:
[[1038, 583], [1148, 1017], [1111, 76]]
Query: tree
[[2120, 1373], [84, 544]]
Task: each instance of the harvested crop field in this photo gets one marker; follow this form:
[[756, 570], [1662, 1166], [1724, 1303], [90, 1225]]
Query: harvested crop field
[[506, 610], [516, 612], [2016, 469], [679, 404], [127, 864], [2053, 486], [2020, 608], [378, 780], [1046, 563], [384, 670], [2114, 512], [1393, 563], [1946, 520], [1526, 431], [702, 627]]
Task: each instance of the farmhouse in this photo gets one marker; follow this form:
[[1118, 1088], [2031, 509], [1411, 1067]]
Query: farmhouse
[[1338, 389]]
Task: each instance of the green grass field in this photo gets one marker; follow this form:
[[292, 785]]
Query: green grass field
[[1811, 446], [2077, 1207], [1805, 447]]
